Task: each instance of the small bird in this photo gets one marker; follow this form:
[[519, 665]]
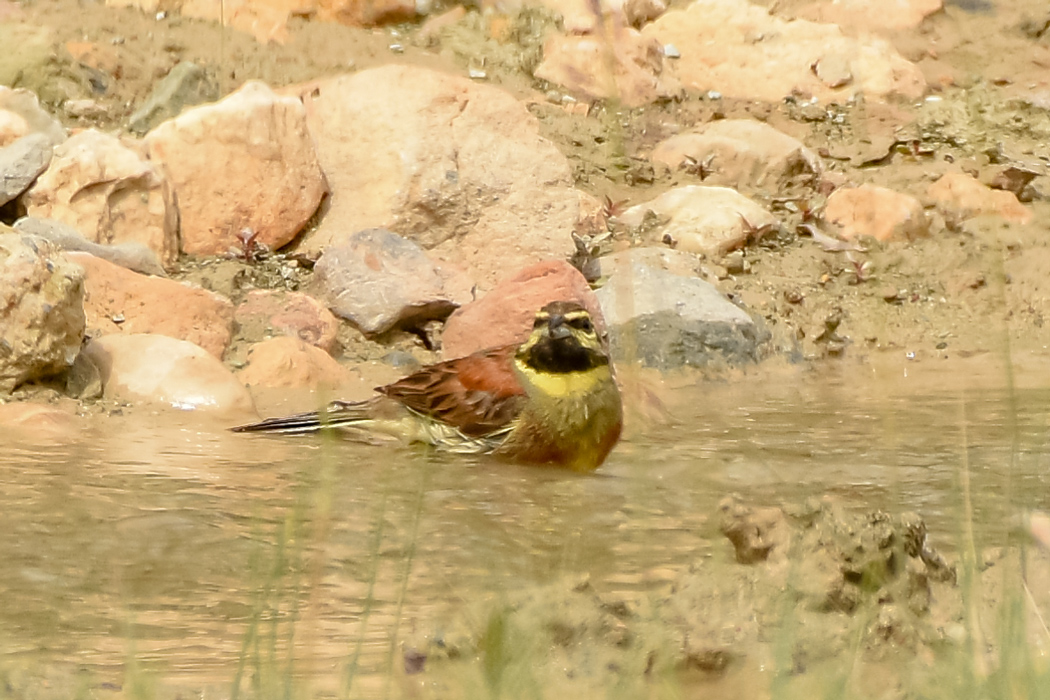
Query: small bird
[[552, 400]]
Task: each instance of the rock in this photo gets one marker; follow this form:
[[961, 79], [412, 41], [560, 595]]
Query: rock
[[118, 301], [265, 313], [708, 220], [739, 50], [581, 64], [669, 321], [162, 371], [870, 210], [21, 163], [965, 197], [456, 166], [107, 192], [244, 162], [367, 13], [866, 16], [378, 280], [41, 309], [21, 115], [741, 153], [505, 315], [290, 363], [132, 255], [758, 534], [187, 84]]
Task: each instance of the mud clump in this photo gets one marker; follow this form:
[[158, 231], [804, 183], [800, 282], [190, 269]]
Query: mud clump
[[813, 580]]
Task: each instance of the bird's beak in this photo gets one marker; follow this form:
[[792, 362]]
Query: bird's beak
[[557, 329]]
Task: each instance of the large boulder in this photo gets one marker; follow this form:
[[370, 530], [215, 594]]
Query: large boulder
[[456, 166]]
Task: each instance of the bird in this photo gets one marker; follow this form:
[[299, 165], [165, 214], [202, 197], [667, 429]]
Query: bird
[[552, 400]]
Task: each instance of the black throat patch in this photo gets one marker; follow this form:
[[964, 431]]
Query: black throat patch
[[562, 355]]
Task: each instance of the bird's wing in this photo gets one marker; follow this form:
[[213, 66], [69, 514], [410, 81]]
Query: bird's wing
[[478, 394], [338, 414]]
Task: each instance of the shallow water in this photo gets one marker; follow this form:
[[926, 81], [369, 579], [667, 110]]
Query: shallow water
[[152, 557]]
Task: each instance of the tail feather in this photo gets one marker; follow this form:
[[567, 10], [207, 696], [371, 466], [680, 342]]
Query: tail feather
[[338, 414]]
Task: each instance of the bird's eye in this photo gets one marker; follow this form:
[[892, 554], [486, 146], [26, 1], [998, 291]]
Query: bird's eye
[[582, 324], [539, 322]]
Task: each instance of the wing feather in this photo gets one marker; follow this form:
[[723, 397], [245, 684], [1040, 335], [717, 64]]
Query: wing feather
[[478, 394]]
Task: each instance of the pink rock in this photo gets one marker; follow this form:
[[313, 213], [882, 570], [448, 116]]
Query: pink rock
[[739, 50], [158, 370], [858, 16], [277, 312], [963, 195], [505, 314], [378, 280], [291, 363], [707, 220], [457, 167], [581, 65], [741, 153], [244, 162], [870, 210], [41, 309], [117, 300], [108, 193]]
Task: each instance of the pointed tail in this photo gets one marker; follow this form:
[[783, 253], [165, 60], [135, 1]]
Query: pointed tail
[[338, 414]]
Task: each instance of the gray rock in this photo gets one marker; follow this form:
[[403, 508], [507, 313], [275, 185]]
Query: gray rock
[[187, 84], [21, 163], [132, 255], [41, 309], [667, 320], [378, 280]]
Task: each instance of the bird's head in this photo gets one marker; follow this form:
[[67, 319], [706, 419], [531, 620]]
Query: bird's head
[[563, 340]]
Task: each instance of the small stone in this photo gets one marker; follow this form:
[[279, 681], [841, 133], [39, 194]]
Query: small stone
[[582, 64], [708, 220], [378, 280], [668, 321], [965, 197], [734, 263], [875, 211], [287, 362], [740, 153], [288, 313], [889, 294]]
